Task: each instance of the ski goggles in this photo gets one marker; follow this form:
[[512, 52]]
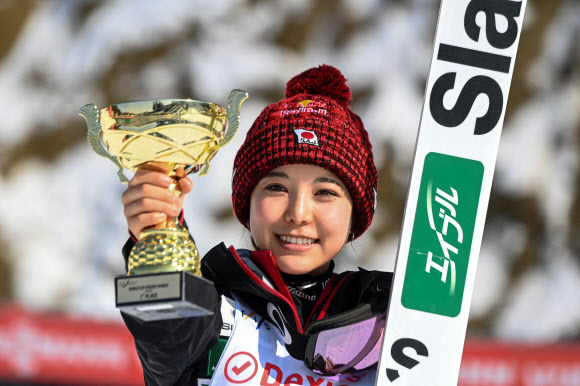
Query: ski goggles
[[346, 349]]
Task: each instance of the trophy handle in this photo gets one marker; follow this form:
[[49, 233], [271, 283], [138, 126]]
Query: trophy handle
[[235, 100], [91, 115], [234, 103]]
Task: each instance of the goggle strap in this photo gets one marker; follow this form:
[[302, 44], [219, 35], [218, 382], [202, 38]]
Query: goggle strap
[[323, 295], [331, 296]]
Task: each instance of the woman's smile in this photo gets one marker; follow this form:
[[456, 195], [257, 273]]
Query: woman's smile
[[299, 240]]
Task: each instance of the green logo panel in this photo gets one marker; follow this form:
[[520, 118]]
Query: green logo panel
[[442, 234]]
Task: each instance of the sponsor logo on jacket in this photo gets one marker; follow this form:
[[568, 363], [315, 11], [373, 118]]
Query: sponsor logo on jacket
[[299, 293]]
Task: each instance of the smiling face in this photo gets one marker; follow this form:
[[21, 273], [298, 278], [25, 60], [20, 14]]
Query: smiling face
[[302, 213]]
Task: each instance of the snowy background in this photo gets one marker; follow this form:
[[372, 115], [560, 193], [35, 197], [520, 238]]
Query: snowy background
[[61, 221]]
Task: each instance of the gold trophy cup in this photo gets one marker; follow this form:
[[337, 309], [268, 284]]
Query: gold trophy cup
[[178, 137]]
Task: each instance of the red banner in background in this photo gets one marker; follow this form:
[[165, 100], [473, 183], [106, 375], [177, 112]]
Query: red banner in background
[[493, 363], [59, 349]]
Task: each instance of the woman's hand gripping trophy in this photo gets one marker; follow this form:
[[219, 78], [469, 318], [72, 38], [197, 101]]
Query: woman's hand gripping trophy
[[149, 200]]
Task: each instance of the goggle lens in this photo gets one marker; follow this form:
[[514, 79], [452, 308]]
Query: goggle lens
[[348, 349]]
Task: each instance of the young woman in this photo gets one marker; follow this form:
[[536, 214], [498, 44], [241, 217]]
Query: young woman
[[304, 185]]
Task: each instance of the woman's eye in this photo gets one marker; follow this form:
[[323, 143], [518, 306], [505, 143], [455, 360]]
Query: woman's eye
[[276, 188], [326, 192]]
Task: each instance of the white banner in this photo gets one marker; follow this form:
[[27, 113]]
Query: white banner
[[465, 99]]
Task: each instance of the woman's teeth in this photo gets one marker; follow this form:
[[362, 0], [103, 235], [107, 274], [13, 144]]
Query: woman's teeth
[[296, 240]]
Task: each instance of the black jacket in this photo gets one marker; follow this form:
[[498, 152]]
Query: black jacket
[[174, 352]]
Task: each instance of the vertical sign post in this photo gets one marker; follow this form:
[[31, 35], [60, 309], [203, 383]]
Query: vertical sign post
[[465, 99]]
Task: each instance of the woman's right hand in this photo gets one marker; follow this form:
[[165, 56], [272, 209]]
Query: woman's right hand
[[148, 201]]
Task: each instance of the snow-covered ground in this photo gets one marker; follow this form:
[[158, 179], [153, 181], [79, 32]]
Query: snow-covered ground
[[61, 221]]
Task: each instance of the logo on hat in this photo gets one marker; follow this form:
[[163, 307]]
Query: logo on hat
[[306, 106], [305, 136]]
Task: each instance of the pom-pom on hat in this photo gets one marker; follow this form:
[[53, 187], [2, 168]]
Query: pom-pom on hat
[[312, 125]]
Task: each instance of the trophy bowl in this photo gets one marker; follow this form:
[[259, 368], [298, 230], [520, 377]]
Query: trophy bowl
[[177, 137]]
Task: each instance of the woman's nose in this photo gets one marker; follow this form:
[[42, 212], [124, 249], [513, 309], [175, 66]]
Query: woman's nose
[[299, 209]]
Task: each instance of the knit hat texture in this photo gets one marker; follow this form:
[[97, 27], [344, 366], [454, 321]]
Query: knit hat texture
[[312, 125]]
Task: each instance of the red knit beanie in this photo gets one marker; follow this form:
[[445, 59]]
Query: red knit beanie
[[313, 125]]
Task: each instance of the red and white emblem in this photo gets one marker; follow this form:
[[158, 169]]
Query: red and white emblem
[[306, 136]]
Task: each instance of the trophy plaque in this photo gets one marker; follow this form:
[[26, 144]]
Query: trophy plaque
[[178, 137]]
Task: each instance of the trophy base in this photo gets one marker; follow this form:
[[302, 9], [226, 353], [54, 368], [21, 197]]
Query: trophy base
[[161, 296]]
